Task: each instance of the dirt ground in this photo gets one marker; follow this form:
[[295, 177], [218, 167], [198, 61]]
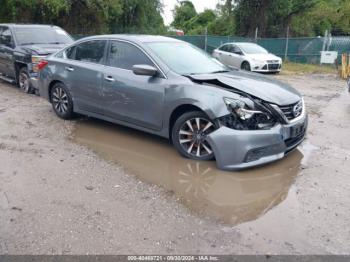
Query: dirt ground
[[89, 187]]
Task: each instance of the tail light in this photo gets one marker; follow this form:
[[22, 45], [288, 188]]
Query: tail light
[[41, 65]]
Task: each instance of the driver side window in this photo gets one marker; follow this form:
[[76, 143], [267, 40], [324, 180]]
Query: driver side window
[[6, 37], [236, 50], [124, 55]]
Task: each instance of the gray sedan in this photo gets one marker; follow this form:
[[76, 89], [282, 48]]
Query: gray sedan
[[172, 89]]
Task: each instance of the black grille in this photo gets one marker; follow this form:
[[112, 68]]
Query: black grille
[[292, 142], [288, 111], [273, 66]]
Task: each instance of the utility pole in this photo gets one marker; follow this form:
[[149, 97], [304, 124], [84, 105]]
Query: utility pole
[[325, 40], [256, 34], [206, 39], [286, 50]]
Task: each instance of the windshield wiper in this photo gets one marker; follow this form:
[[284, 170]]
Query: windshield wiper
[[55, 43]]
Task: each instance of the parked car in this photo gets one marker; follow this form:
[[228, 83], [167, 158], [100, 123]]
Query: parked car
[[22, 47], [248, 56], [172, 89]]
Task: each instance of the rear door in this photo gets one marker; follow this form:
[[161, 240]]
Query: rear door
[[7, 63], [128, 97], [221, 54], [83, 72]]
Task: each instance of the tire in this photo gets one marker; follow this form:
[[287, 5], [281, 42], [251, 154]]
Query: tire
[[23, 81], [61, 101], [190, 141], [245, 66]]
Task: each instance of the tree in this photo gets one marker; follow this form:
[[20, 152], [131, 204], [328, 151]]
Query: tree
[[183, 13], [88, 16], [197, 24], [224, 24], [331, 15], [271, 16], [139, 17]]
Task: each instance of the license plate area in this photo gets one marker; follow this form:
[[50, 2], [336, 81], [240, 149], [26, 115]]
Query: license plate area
[[297, 130]]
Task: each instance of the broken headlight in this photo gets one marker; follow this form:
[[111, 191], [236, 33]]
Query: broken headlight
[[241, 108], [245, 116]]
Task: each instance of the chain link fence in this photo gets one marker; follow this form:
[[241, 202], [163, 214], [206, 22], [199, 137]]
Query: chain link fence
[[299, 50]]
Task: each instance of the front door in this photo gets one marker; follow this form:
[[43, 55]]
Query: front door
[[128, 97], [7, 63], [237, 56]]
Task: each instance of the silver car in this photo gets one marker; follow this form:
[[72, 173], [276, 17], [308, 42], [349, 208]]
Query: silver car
[[248, 56], [172, 89]]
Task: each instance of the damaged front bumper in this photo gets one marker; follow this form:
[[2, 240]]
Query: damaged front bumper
[[240, 149]]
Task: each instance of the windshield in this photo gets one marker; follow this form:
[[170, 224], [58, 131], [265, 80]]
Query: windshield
[[253, 49], [186, 59], [41, 35]]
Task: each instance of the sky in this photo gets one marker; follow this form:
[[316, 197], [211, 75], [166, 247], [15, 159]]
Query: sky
[[200, 5]]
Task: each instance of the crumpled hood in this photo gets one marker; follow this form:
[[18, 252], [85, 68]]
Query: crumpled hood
[[265, 88], [45, 49]]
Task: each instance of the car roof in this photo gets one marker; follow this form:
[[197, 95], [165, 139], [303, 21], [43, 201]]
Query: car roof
[[134, 38], [27, 25], [240, 43], [245, 43]]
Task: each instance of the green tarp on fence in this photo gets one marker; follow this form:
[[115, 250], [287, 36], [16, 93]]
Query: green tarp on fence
[[301, 50]]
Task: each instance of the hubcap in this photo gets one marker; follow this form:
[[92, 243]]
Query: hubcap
[[60, 100], [193, 134], [24, 82]]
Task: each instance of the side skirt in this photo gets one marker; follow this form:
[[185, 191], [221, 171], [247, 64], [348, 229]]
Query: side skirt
[[122, 123]]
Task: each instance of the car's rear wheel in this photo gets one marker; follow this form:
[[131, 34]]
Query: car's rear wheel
[[61, 100], [246, 66], [189, 135], [24, 81]]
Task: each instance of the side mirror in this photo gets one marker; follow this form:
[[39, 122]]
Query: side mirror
[[144, 70]]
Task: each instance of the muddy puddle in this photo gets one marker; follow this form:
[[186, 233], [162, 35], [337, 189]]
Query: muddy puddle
[[228, 197]]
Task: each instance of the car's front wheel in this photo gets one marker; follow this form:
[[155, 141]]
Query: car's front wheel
[[189, 135], [61, 100], [246, 66]]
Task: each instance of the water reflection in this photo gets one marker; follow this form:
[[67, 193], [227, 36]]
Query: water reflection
[[229, 197]]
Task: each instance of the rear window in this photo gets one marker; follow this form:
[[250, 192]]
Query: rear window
[[41, 35]]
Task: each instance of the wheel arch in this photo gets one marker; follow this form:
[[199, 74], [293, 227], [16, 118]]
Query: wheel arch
[[180, 110], [18, 66], [51, 85], [244, 61]]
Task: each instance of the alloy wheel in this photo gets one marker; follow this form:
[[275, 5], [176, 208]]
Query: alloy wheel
[[246, 66], [193, 134], [60, 100]]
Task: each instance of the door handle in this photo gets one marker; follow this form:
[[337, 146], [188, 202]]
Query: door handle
[[109, 79], [69, 68]]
